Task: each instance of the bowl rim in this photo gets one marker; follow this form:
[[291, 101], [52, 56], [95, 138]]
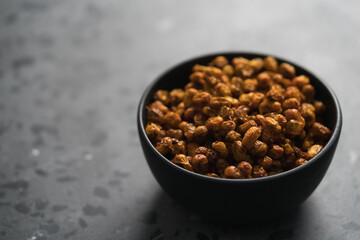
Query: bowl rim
[[333, 139]]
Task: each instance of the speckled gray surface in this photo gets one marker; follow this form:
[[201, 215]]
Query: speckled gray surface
[[71, 74]]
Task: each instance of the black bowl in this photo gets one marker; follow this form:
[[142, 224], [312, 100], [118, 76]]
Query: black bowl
[[239, 201]]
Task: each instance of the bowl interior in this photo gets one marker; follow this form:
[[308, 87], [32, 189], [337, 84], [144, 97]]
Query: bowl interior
[[178, 77]]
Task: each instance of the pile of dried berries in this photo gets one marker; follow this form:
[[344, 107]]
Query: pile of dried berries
[[244, 119]]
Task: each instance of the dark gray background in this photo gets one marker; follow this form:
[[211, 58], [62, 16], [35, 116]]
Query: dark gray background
[[72, 72]]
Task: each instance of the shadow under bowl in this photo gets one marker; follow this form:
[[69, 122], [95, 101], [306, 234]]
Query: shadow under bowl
[[238, 201]]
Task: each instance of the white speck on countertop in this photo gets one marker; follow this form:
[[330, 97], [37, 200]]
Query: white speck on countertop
[[88, 157], [353, 156], [36, 235], [35, 152], [165, 24]]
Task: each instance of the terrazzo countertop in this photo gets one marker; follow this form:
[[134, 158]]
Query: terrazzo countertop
[[71, 75]]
